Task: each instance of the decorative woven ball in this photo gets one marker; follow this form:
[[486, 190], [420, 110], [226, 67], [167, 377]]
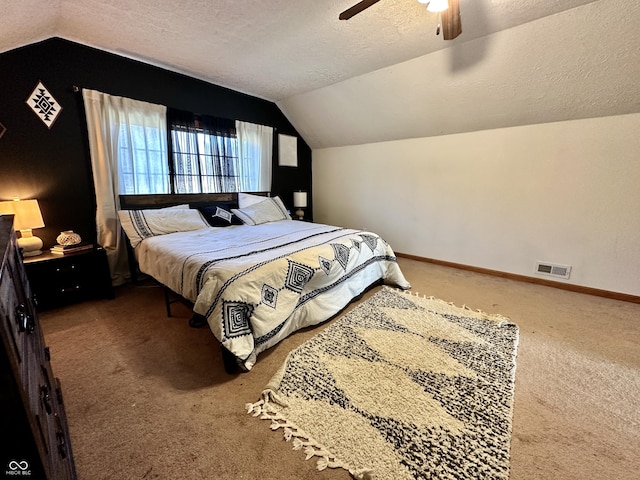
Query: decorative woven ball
[[68, 237]]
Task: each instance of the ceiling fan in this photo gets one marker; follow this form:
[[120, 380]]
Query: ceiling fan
[[449, 12]]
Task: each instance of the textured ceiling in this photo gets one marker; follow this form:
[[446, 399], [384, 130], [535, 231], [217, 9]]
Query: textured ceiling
[[338, 80], [581, 63], [269, 48]]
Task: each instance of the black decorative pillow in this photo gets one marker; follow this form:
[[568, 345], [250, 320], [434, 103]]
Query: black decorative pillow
[[218, 216]]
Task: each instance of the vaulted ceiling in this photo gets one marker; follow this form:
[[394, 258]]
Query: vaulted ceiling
[[384, 74]]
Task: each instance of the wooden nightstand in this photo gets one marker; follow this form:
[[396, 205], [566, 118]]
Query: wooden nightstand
[[58, 280]]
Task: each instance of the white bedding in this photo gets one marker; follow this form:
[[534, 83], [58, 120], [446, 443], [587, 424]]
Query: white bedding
[[257, 284]]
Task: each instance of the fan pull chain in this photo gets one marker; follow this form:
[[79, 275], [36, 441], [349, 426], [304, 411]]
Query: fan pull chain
[[439, 24]]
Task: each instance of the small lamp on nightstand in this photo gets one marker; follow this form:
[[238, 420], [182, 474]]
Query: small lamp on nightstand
[[299, 202], [27, 216]]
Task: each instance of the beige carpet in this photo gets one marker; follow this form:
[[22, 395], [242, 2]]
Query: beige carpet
[[147, 396]]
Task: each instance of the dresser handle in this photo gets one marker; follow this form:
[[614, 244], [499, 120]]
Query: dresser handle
[[75, 288], [46, 399], [62, 442], [59, 395], [62, 448], [71, 267], [21, 317], [25, 321], [31, 324]]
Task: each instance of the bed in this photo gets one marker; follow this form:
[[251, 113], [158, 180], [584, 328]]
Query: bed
[[254, 283]]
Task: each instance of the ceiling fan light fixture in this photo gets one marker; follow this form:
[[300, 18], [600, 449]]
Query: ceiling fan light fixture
[[437, 5], [448, 15]]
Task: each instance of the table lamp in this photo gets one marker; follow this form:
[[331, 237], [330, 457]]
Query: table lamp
[[27, 216], [299, 202]]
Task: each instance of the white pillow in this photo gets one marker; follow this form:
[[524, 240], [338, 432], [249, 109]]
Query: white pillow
[[279, 203], [248, 199], [268, 210], [141, 224]]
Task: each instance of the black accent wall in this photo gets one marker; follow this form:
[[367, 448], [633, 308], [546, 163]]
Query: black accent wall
[[53, 164]]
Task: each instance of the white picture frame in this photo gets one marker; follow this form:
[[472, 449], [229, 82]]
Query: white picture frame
[[287, 150]]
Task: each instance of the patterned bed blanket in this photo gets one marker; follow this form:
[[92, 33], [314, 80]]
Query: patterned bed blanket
[[257, 284]]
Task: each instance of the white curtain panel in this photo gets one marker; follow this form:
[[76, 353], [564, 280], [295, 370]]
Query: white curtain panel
[[128, 145], [255, 144]]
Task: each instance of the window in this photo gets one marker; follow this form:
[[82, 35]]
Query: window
[[207, 164], [204, 154], [142, 164], [211, 155]]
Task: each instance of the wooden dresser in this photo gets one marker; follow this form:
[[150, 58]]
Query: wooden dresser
[[33, 423]]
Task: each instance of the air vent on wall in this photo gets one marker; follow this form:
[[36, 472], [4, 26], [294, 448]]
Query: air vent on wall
[[553, 270]]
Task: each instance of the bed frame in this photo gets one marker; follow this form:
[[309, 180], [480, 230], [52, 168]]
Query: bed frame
[[161, 200], [194, 200]]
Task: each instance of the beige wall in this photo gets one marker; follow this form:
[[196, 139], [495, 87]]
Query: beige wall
[[566, 192]]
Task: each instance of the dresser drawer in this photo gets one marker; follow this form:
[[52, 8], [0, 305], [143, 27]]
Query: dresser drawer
[[39, 383], [14, 316]]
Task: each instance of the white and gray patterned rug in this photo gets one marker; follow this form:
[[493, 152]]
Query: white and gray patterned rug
[[401, 387]]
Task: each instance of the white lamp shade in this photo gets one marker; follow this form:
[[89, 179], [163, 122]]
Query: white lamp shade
[[299, 199], [27, 213], [437, 5], [26, 216]]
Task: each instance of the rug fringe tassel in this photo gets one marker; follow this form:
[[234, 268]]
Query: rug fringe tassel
[[262, 409], [301, 441], [364, 474], [501, 319]]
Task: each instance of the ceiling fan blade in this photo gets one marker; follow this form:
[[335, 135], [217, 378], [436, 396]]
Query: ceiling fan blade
[[451, 24], [357, 8]]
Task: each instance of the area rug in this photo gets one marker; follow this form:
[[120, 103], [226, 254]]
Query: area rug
[[401, 387]]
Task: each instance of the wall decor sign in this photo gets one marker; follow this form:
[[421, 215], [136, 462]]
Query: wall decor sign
[[2, 130], [44, 105], [288, 151]]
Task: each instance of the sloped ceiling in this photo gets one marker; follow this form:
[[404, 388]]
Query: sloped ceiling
[[382, 75]]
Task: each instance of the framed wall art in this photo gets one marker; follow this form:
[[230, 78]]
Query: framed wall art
[[44, 105], [288, 150]]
